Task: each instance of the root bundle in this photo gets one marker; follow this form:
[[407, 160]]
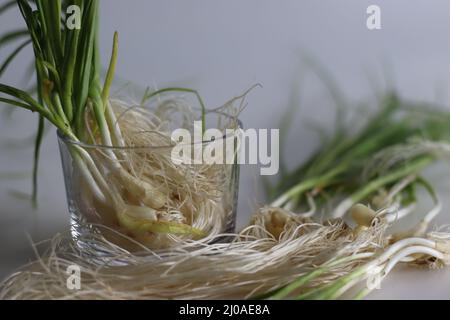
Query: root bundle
[[277, 250], [147, 195]]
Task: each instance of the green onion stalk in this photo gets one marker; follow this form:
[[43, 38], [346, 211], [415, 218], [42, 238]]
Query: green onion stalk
[[70, 88], [396, 143], [370, 175], [368, 276]]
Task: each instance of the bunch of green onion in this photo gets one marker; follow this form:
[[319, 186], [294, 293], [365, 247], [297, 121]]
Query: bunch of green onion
[[69, 87]]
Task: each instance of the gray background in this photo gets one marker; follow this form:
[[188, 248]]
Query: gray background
[[223, 47]]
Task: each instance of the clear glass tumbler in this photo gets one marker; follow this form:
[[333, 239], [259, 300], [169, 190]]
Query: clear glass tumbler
[[135, 196]]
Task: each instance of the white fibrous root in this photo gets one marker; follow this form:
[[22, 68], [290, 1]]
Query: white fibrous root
[[276, 248], [279, 249], [137, 188], [279, 255]]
